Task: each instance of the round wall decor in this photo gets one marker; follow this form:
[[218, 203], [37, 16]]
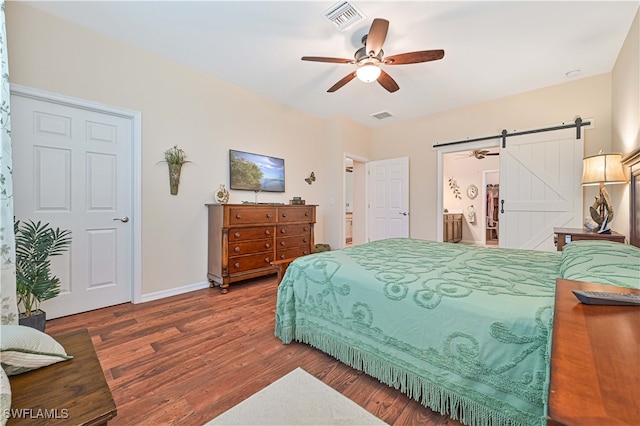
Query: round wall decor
[[472, 191]]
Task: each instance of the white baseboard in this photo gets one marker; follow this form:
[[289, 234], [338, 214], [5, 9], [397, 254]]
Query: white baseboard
[[173, 291]]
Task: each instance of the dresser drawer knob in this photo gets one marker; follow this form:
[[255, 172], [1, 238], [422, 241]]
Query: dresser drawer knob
[[306, 213], [282, 243], [237, 265], [283, 231], [305, 229], [238, 216], [284, 215], [267, 260], [267, 245], [304, 240], [267, 232], [305, 252], [237, 235], [282, 256], [268, 215], [237, 249]]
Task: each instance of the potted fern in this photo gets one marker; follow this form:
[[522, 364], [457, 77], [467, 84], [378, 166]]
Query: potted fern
[[35, 244]]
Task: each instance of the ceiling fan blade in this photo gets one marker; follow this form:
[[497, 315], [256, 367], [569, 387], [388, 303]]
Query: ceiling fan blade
[[377, 35], [332, 60], [414, 57], [342, 82], [387, 82]]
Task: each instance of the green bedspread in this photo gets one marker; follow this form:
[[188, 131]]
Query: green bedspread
[[464, 330]]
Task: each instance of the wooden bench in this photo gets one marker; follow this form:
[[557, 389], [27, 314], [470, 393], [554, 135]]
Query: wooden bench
[[69, 392], [281, 267]]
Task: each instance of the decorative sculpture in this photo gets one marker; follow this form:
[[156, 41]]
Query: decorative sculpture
[[602, 207]]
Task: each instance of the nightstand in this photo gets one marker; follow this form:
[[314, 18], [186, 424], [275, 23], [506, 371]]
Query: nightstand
[[594, 375], [566, 235]]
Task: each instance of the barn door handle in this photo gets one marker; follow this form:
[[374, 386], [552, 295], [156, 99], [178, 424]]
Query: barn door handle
[[501, 206], [124, 219]]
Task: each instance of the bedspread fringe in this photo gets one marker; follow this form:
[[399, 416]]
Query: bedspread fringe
[[426, 392]]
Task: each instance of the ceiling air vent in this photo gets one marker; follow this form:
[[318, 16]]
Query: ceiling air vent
[[343, 14], [382, 115]]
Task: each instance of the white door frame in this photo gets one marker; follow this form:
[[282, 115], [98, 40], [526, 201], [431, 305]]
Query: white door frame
[[136, 158], [485, 213], [343, 209], [440, 181]]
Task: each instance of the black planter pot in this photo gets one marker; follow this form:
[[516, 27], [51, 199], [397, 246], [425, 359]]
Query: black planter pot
[[37, 320]]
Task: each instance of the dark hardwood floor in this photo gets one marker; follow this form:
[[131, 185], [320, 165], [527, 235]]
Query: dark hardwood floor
[[188, 358]]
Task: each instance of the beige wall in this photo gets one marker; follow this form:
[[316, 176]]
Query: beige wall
[[202, 115], [206, 117], [587, 98], [342, 137], [625, 112]]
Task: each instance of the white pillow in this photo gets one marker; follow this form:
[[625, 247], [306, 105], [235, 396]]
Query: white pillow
[[5, 397], [24, 349]]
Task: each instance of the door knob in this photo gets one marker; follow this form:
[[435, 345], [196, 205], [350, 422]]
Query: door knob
[[124, 219], [403, 213]]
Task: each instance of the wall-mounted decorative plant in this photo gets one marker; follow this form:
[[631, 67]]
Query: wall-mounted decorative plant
[[175, 157], [453, 184]]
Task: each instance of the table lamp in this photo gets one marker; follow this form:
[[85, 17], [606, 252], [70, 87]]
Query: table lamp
[[602, 169]]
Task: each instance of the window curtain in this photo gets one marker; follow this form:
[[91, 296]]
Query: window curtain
[[9, 306]]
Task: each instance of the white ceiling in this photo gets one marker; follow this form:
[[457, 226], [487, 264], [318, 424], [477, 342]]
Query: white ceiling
[[492, 49]]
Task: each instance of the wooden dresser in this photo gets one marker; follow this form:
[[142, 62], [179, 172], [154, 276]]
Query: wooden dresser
[[245, 238], [595, 379]]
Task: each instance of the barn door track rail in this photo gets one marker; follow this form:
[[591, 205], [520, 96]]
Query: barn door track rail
[[578, 123]]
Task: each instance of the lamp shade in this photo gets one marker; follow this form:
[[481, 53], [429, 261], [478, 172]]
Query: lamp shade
[[603, 168], [368, 73]]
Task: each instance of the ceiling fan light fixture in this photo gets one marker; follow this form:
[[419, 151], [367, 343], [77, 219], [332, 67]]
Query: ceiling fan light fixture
[[368, 73]]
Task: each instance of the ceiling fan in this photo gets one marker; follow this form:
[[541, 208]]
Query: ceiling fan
[[369, 58], [481, 153]]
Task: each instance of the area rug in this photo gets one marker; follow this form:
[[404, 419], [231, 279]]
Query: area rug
[[297, 399]]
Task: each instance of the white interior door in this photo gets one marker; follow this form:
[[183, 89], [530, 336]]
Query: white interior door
[[73, 169], [539, 188], [388, 203]]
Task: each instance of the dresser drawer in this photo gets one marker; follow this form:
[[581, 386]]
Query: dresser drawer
[[250, 247], [285, 230], [253, 233], [295, 214], [295, 241], [240, 215], [243, 239], [249, 262], [292, 252]]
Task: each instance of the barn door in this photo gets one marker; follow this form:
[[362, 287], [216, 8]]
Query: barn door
[[539, 188]]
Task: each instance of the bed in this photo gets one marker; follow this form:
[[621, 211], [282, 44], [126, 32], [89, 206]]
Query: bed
[[464, 330]]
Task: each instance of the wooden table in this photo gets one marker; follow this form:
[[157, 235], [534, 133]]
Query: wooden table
[[566, 235], [595, 368], [69, 392]]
